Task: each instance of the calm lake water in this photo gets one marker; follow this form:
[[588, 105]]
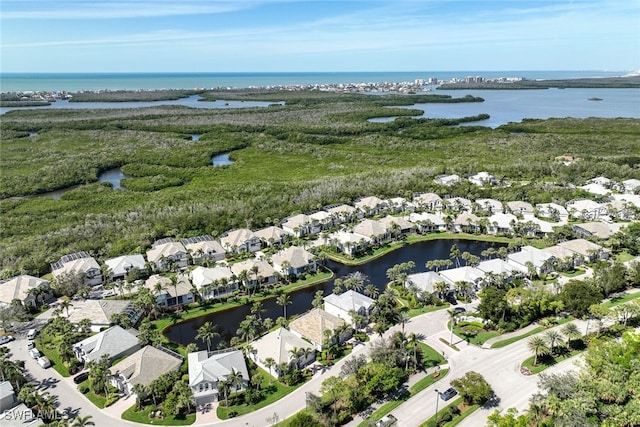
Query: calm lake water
[[112, 176], [229, 320], [221, 160], [506, 106]]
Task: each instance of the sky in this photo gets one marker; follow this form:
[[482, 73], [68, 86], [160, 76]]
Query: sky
[[295, 35]]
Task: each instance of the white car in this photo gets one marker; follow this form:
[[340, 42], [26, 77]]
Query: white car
[[44, 362], [5, 339], [35, 353]]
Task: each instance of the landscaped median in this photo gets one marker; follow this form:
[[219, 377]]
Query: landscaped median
[[451, 415], [145, 417]]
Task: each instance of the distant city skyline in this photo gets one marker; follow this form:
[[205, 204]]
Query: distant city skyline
[[107, 36]]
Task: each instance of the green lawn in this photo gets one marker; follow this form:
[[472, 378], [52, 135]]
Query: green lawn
[[575, 273], [545, 362], [506, 342], [455, 420], [142, 417], [621, 300], [431, 357], [422, 310], [281, 391], [427, 381], [473, 332], [624, 257], [53, 356]]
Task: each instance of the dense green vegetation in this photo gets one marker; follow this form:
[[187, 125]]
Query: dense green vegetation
[[315, 150]]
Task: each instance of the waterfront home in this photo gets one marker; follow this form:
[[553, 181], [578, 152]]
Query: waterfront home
[[428, 201], [630, 186], [397, 225], [254, 272], [538, 259], [586, 209], [114, 342], [204, 249], [447, 180], [533, 226], [341, 305], [348, 242], [119, 267], [428, 222], [483, 178], [371, 205], [143, 367], [426, 282], [214, 282], [372, 230], [313, 325], [520, 208], [293, 261], [564, 257], [271, 235], [240, 240], [589, 251], [169, 293], [497, 269], [166, 254], [281, 346], [301, 225], [491, 206], [553, 211], [207, 371], [467, 274], [28, 290], [466, 222], [598, 229], [501, 223], [341, 213], [457, 204], [79, 263]]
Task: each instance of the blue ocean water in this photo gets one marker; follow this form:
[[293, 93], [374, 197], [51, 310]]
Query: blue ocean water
[[73, 82]]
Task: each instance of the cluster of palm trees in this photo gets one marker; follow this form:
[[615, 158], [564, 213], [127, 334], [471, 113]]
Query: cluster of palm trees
[[551, 341]]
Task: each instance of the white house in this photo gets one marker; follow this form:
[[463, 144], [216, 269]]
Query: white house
[[372, 230], [100, 312], [483, 178], [586, 209], [240, 240], [588, 250], [341, 305], [399, 204], [280, 345], [457, 204], [301, 225], [599, 229], [462, 274], [631, 185], [397, 224], [208, 370], [447, 180], [553, 210], [428, 201], [79, 263], [271, 235], [204, 249], [313, 324], [466, 222], [428, 222], [341, 213], [143, 367], [119, 267], [596, 189], [171, 294], [501, 223], [349, 243], [521, 208], [293, 261], [23, 288], [166, 252], [371, 205], [321, 218], [214, 282], [541, 261], [492, 206], [114, 342], [258, 272], [426, 281]]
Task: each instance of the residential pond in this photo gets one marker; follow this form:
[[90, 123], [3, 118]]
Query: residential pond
[[229, 320]]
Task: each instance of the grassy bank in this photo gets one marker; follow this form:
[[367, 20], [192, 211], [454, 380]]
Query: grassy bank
[[142, 417]]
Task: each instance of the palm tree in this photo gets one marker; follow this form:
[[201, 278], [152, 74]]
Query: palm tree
[[284, 301], [83, 421], [206, 332], [538, 346], [269, 362], [235, 379], [453, 316], [372, 291], [441, 288], [318, 298], [65, 304], [571, 332], [140, 390], [554, 338]]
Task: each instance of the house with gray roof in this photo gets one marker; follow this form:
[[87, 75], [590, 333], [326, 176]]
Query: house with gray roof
[[114, 342], [301, 225], [447, 180], [589, 251], [501, 223], [8, 397], [491, 206], [204, 249], [341, 305], [398, 223], [293, 261], [598, 229], [142, 367], [79, 263], [21, 288], [279, 345], [119, 267], [208, 370], [341, 213], [552, 210]]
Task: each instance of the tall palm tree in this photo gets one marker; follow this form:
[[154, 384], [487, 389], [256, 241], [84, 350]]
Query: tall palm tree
[[270, 362], [235, 380], [554, 339], [140, 390], [65, 304], [206, 332], [538, 346], [453, 317], [571, 332], [441, 288], [371, 291], [284, 300]]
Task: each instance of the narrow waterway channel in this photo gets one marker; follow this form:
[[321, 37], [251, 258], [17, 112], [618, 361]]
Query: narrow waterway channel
[[229, 320]]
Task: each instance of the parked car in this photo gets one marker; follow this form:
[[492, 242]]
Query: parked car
[[459, 310], [30, 345], [81, 377], [44, 362], [448, 393], [35, 353], [387, 421], [5, 339], [31, 334]]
